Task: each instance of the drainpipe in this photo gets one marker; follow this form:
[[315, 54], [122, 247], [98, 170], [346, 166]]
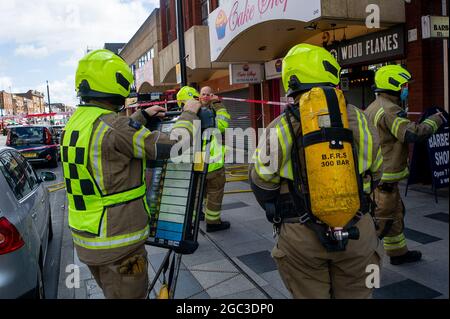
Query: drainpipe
[[445, 57]]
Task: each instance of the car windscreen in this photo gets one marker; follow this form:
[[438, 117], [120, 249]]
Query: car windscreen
[[26, 135]]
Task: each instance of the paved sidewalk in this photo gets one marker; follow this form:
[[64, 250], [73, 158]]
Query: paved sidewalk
[[209, 274]]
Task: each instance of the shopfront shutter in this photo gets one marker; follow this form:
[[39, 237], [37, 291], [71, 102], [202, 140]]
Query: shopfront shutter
[[240, 113]]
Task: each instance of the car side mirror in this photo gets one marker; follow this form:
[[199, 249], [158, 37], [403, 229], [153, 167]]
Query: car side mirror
[[48, 176]]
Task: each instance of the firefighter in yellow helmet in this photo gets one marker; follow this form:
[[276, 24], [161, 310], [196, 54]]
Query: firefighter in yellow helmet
[[215, 179], [396, 132], [104, 159], [314, 187]]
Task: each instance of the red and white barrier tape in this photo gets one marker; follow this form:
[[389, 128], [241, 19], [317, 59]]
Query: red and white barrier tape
[[148, 104]]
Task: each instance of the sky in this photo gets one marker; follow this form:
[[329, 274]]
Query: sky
[[42, 40]]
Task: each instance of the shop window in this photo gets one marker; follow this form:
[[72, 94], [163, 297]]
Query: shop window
[[152, 53], [204, 4], [168, 22]]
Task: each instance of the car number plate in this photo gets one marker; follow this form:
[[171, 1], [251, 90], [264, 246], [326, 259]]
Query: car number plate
[[29, 155]]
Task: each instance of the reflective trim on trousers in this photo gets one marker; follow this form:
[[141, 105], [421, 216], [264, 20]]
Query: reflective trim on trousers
[[394, 243], [212, 215]]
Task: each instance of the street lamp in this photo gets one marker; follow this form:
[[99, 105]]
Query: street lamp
[[181, 44], [49, 105]]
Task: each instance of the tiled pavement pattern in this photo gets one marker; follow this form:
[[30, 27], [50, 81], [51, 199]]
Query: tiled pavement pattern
[[209, 274]]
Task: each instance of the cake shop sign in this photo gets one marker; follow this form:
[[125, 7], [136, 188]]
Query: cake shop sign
[[236, 16], [246, 73]]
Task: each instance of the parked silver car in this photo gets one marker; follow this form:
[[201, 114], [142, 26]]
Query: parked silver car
[[25, 226]]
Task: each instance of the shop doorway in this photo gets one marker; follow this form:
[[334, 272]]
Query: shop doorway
[[358, 88]]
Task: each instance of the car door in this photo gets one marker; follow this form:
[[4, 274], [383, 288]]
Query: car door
[[40, 198], [22, 197]]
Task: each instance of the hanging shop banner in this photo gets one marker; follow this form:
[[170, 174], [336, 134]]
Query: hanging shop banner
[[430, 161], [434, 27], [379, 46], [145, 74], [235, 16], [273, 69], [246, 73]]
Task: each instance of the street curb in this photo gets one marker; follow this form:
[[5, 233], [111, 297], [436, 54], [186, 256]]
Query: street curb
[[67, 258]]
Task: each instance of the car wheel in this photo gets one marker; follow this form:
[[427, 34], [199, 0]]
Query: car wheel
[[40, 291], [50, 226], [54, 162]]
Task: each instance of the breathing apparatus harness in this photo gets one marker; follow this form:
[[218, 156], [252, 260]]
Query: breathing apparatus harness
[[334, 239]]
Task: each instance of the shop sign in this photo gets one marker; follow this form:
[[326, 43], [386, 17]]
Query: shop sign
[[384, 45], [412, 35], [430, 160], [246, 73], [145, 74], [273, 69], [236, 16], [434, 27]]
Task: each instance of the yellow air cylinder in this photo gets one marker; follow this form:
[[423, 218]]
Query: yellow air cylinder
[[331, 172]]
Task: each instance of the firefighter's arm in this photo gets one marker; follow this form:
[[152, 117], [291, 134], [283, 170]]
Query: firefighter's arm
[[136, 141], [264, 172], [407, 131], [222, 116], [367, 145]]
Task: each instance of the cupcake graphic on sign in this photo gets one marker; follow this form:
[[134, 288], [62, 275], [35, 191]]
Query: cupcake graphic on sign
[[279, 65], [221, 24]]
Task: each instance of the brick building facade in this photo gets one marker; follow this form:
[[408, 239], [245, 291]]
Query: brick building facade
[[31, 102], [425, 58]]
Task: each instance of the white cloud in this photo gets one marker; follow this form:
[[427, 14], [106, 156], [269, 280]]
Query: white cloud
[[67, 25], [5, 83], [43, 28], [61, 91], [30, 51]]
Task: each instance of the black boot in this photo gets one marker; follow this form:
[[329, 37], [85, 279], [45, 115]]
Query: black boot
[[202, 216], [210, 228], [411, 256]]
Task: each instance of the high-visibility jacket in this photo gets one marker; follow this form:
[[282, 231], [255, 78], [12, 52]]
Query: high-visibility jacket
[[273, 160], [86, 201], [217, 149], [104, 158], [396, 131]]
